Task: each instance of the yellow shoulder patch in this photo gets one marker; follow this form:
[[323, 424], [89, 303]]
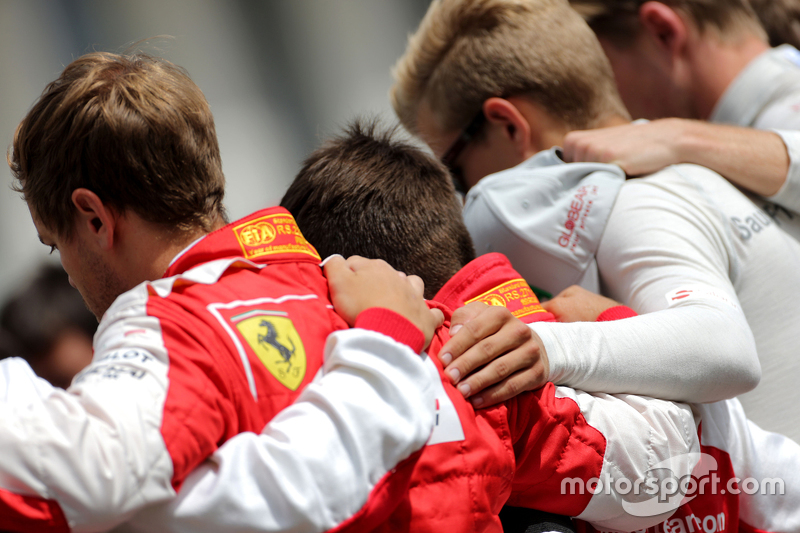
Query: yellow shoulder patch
[[272, 234], [516, 295]]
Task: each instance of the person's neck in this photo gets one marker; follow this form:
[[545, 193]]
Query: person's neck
[[716, 63], [611, 121], [555, 137], [149, 249]]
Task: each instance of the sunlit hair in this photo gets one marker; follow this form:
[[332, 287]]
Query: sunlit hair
[[369, 193], [617, 20], [135, 130], [466, 51]]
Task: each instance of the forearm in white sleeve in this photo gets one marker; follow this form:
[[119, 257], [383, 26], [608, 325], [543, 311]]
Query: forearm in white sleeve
[[691, 346], [83, 459], [320, 461], [789, 194]]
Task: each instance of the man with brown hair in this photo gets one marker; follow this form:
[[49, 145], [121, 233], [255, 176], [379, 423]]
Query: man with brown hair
[[207, 330], [390, 201], [703, 61], [712, 279]]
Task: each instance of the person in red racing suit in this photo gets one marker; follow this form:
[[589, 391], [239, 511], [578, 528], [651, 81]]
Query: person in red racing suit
[[207, 329]]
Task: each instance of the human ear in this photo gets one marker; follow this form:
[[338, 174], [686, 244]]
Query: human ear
[[665, 25], [94, 218], [513, 125]]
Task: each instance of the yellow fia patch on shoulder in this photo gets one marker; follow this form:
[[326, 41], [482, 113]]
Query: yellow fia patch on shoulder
[[516, 295], [272, 234]]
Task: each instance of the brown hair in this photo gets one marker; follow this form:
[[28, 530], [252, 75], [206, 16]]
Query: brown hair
[[781, 20], [133, 129], [618, 20], [367, 193], [466, 51]]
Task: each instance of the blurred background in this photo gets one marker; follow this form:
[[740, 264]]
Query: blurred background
[[280, 75]]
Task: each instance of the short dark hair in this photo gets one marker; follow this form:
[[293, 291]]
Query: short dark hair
[[135, 130], [368, 193], [40, 311]]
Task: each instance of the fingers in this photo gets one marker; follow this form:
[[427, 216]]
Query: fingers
[[496, 371], [493, 350], [357, 284], [417, 283], [462, 315], [338, 266], [476, 324], [582, 146], [437, 318], [334, 264], [524, 380], [576, 304], [475, 374]]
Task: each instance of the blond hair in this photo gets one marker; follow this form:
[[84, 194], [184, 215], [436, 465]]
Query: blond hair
[[466, 51], [618, 20]]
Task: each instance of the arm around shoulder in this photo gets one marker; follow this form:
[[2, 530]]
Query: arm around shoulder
[[659, 242], [338, 458]]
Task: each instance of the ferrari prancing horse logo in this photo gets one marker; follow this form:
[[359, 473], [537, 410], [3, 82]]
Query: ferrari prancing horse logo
[[275, 341]]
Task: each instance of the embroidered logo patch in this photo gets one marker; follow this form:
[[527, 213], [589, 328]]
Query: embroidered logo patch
[[275, 341], [516, 295], [272, 234]]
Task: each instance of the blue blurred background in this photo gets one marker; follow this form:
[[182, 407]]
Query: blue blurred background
[[280, 75]]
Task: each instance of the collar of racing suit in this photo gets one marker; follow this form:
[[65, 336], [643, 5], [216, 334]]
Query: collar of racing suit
[[491, 279], [267, 236]]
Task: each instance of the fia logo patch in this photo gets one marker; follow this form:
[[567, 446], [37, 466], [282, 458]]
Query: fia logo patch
[[275, 341], [515, 294], [272, 234]]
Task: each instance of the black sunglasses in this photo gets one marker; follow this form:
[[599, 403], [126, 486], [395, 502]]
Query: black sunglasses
[[452, 153]]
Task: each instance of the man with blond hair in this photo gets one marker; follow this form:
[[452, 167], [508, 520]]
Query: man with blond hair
[[492, 87], [702, 61]]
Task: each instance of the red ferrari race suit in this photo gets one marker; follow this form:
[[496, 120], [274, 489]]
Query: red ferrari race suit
[[528, 452], [519, 452], [475, 462], [228, 337], [555, 439]]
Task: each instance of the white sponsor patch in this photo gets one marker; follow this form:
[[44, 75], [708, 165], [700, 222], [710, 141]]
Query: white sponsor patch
[[447, 427], [699, 292]]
